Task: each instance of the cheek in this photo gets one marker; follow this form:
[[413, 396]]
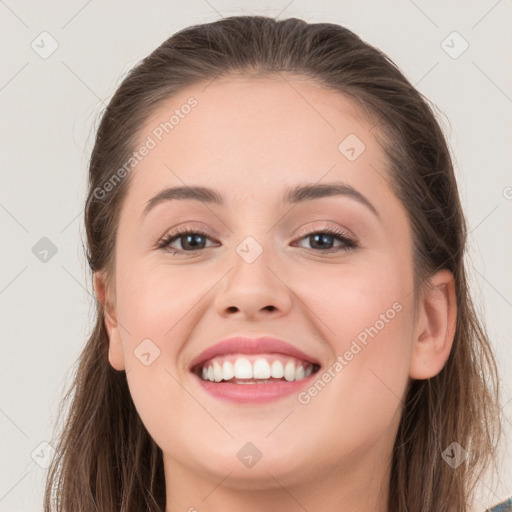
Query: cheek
[[360, 301], [158, 306], [367, 317], [154, 301]]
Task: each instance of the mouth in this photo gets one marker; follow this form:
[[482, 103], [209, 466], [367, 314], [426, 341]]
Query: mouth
[[253, 370]]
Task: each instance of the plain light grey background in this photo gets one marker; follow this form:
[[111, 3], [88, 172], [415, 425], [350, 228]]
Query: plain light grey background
[[61, 62]]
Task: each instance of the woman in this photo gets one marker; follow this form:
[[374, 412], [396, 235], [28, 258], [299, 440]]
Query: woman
[[283, 323]]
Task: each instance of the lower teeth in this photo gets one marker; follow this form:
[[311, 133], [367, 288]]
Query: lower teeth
[[251, 381]]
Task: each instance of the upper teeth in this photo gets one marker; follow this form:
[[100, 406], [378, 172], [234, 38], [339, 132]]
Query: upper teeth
[[242, 368]]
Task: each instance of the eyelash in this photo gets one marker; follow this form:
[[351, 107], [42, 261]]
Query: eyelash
[[348, 242]]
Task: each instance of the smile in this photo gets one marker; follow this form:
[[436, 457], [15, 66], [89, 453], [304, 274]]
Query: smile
[[264, 368], [253, 370]]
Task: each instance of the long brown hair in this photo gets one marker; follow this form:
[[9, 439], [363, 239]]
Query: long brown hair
[[106, 460]]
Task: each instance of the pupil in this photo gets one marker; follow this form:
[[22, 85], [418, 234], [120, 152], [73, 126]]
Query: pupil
[[190, 241], [323, 238]]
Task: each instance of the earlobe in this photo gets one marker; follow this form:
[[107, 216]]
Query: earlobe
[[435, 326], [115, 347]]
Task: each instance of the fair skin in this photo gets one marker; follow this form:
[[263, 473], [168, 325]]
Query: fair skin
[[250, 139]]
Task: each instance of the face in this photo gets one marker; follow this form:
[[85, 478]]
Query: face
[[329, 273]]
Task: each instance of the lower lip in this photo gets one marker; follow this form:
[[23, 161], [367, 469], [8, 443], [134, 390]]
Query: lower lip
[[253, 393]]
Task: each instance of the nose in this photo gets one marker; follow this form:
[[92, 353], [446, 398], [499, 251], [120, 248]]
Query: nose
[[254, 290]]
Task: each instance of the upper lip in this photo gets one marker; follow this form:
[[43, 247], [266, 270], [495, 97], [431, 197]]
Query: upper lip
[[245, 345]]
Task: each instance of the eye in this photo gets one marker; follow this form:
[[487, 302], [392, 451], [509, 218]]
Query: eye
[[189, 240], [323, 239]]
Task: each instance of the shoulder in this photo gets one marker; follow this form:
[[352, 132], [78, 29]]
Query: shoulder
[[504, 506]]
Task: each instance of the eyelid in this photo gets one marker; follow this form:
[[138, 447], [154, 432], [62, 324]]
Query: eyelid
[[196, 227], [328, 226]]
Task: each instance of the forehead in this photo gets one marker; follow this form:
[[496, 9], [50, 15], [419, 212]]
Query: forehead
[[256, 134]]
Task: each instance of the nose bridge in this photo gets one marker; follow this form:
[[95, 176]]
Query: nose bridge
[[253, 285]]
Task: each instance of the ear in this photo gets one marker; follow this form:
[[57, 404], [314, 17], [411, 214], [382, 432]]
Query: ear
[[435, 326], [115, 347]]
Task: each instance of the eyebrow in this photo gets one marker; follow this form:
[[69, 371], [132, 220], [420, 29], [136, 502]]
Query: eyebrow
[[295, 195], [315, 191]]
